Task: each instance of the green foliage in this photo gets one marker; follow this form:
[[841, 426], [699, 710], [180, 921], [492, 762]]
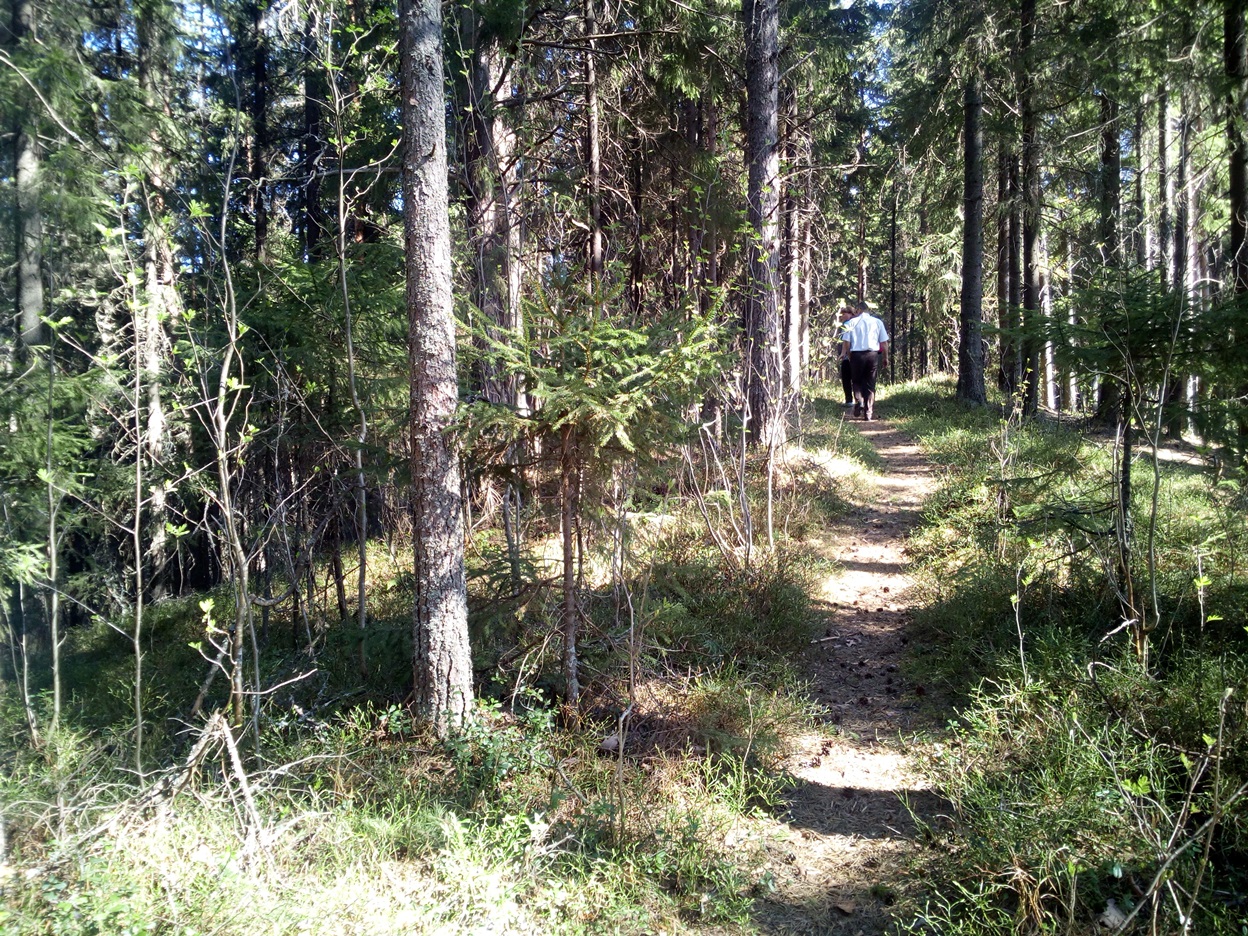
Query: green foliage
[[1074, 774]]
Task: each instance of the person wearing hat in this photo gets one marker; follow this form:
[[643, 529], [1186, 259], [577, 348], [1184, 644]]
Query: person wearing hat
[[847, 313], [865, 339]]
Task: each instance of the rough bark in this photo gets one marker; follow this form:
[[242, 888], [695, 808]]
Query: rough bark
[[790, 252], [1141, 237], [593, 144], [493, 229], [1109, 391], [442, 665], [1165, 188], [1236, 55], [157, 315], [970, 338], [312, 147], [1005, 345], [1031, 211], [761, 325], [1016, 275], [1111, 181], [29, 217], [260, 144]]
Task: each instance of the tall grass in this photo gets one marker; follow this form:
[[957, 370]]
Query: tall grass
[[348, 819], [1087, 790]]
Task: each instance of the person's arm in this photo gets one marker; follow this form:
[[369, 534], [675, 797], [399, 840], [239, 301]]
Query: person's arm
[[844, 347], [884, 353]]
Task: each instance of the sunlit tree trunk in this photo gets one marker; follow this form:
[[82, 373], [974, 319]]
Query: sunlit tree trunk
[[593, 143], [442, 665], [1165, 187], [1110, 391], [29, 239], [1236, 54], [790, 250], [761, 326], [970, 336], [1005, 343], [1031, 210]]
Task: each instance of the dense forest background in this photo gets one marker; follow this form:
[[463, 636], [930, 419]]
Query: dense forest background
[[226, 418]]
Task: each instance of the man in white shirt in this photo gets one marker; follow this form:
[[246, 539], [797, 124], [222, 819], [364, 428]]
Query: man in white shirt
[[865, 339]]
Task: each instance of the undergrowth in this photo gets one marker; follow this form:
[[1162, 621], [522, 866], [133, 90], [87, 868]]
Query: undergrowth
[[339, 815], [1091, 790]]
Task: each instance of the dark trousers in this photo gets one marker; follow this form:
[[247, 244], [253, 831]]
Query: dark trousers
[[847, 381], [862, 368]]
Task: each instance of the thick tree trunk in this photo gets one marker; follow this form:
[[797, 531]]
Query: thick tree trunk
[[762, 327], [970, 337], [156, 317], [442, 665], [1031, 212], [1236, 53]]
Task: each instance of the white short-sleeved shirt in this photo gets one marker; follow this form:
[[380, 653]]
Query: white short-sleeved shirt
[[842, 331], [865, 332]]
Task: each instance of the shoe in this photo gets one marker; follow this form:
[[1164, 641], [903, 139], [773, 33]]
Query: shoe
[[857, 410]]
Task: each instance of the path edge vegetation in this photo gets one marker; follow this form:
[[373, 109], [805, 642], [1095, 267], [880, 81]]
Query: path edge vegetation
[[1092, 782], [309, 300]]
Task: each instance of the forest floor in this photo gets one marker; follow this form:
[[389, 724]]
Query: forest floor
[[840, 851]]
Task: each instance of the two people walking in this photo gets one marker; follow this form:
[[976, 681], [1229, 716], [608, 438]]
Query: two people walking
[[863, 351]]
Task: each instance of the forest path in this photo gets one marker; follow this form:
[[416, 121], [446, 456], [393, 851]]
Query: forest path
[[847, 836]]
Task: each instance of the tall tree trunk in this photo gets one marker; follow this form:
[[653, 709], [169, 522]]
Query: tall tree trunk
[[1031, 211], [593, 145], [159, 311], [970, 337], [493, 232], [258, 161], [762, 330], [790, 253], [1111, 182], [1165, 189], [1005, 344], [442, 665], [1016, 276], [312, 146], [1141, 229], [1110, 391], [1236, 52], [892, 280], [806, 250], [29, 217]]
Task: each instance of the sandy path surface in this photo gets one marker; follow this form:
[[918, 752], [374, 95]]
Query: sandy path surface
[[847, 835]]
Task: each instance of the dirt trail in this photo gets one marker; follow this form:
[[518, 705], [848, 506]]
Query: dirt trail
[[847, 834]]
